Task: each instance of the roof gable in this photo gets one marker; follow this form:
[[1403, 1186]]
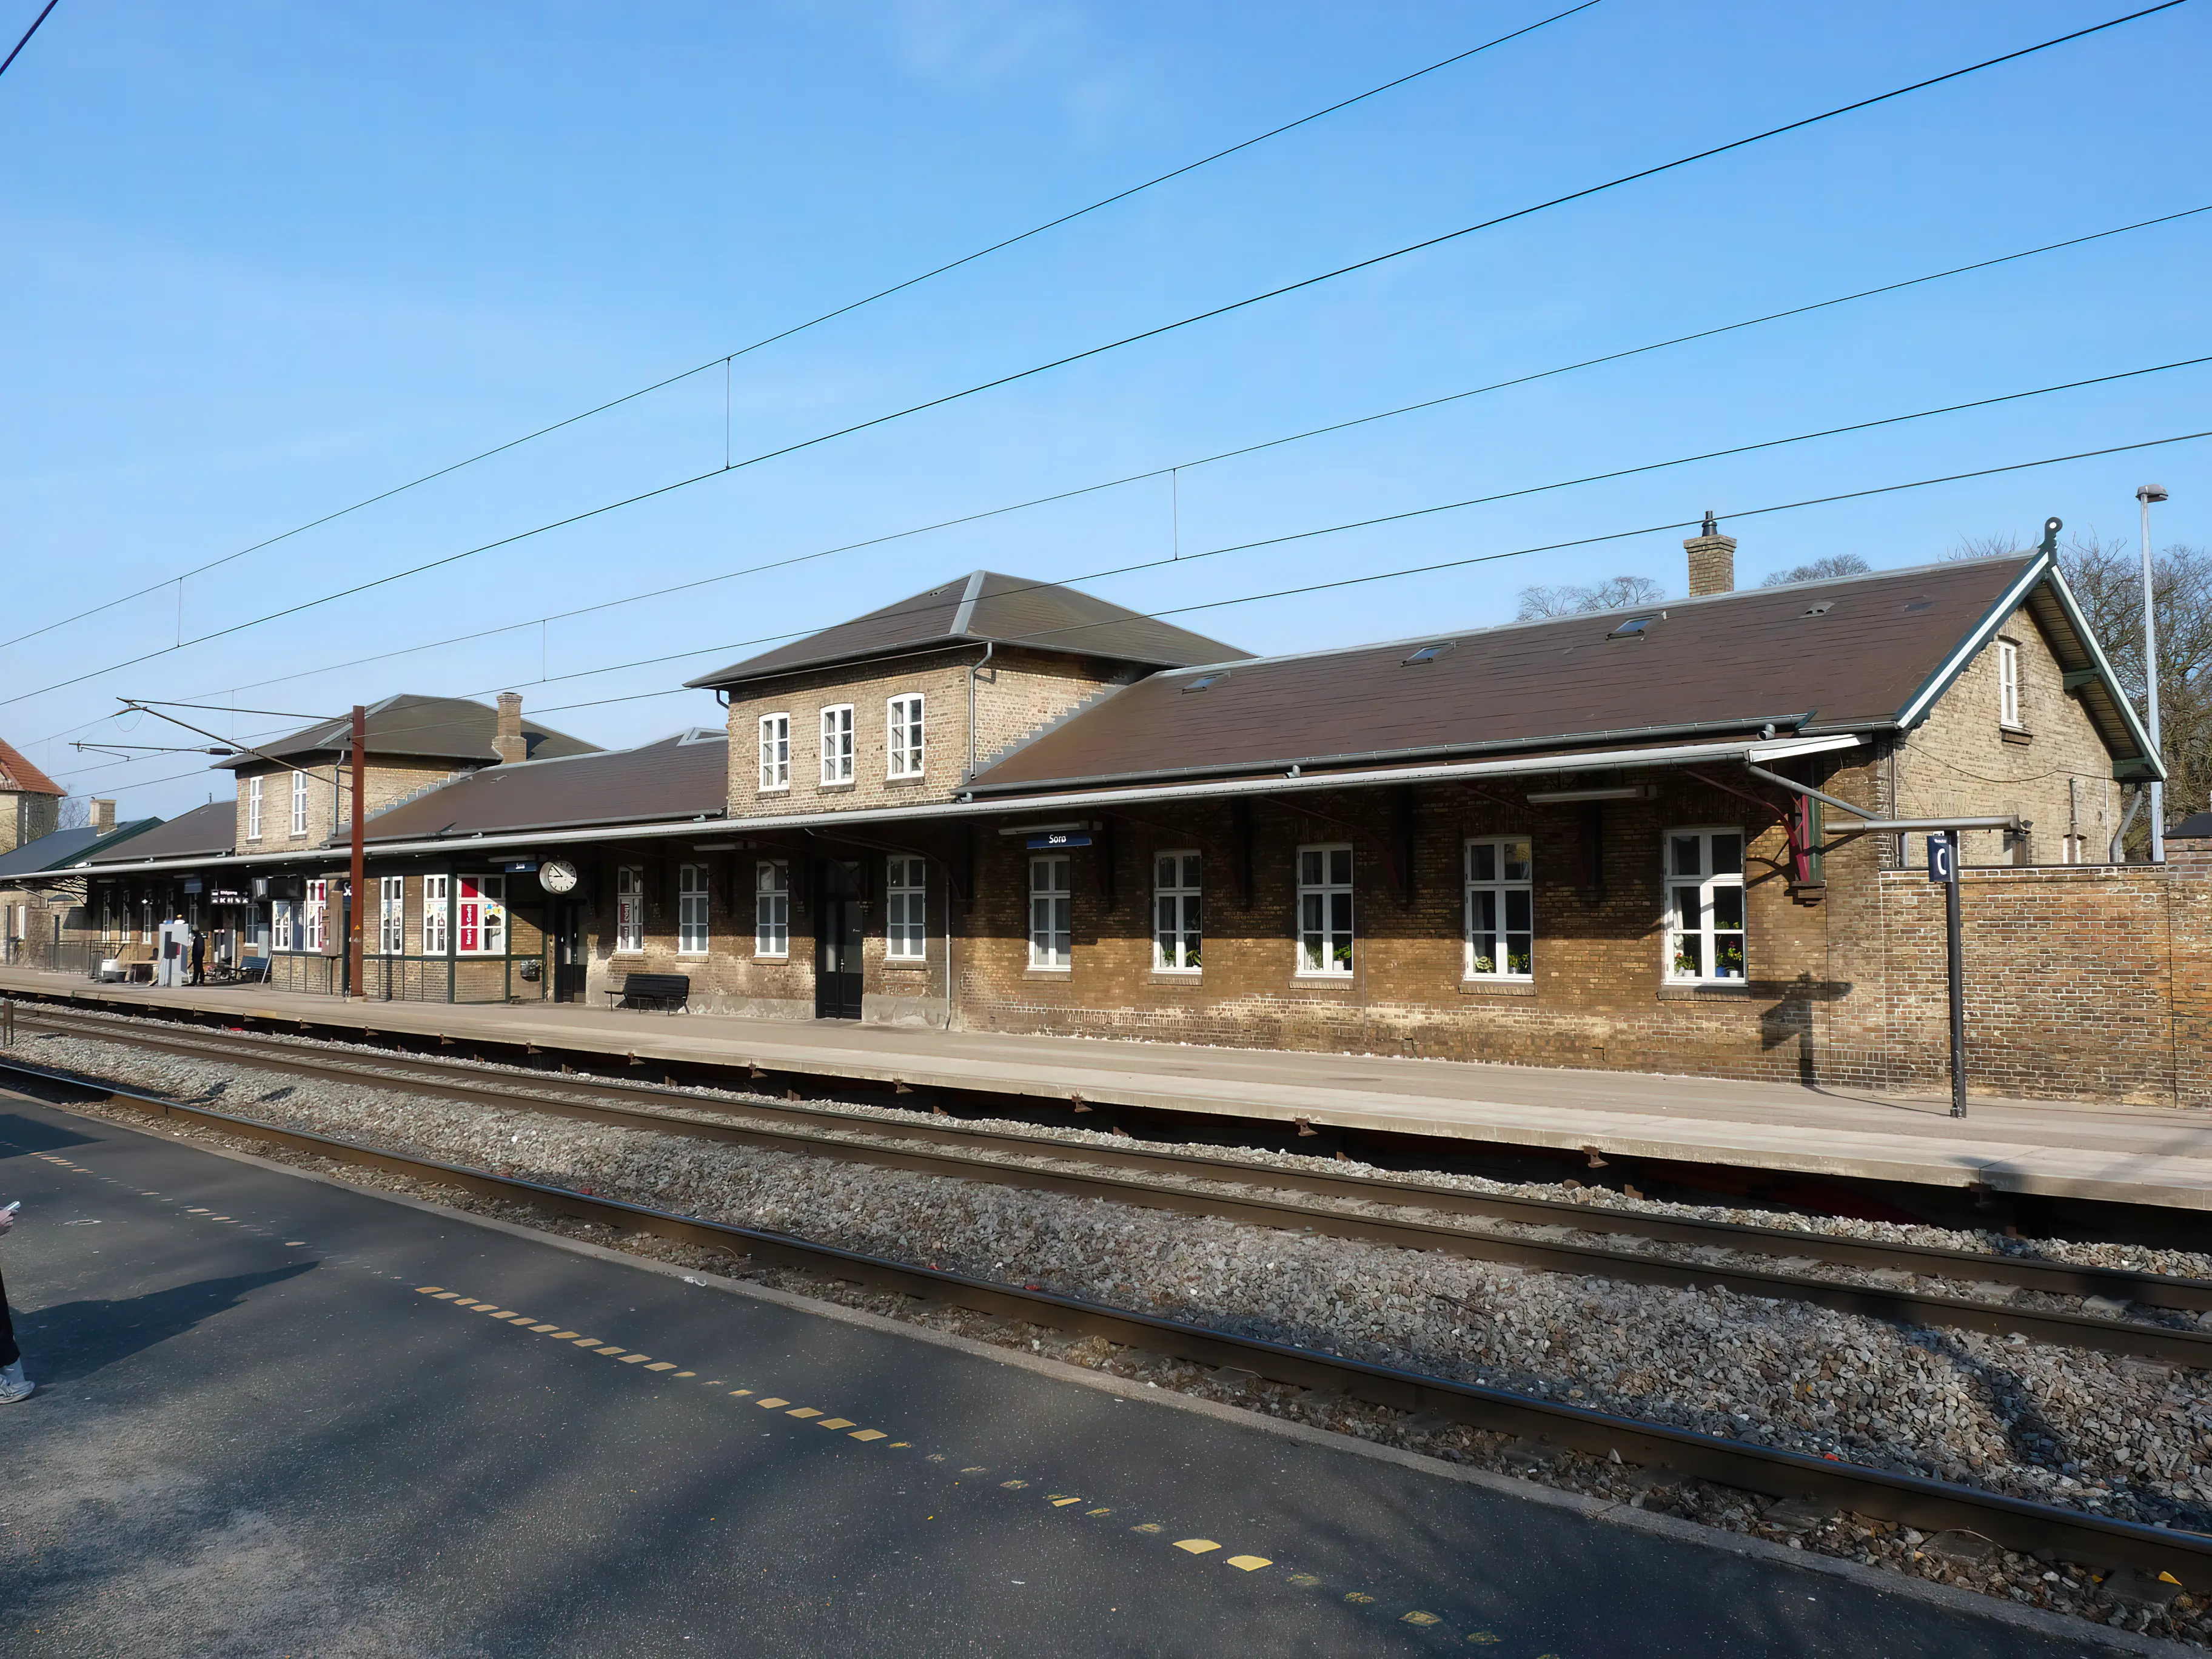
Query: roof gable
[[18, 774], [987, 606], [413, 727]]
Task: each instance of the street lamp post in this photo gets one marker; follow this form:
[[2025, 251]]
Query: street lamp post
[[2145, 495]]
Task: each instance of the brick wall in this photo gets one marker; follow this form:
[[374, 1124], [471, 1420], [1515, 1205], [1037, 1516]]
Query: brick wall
[[384, 783]]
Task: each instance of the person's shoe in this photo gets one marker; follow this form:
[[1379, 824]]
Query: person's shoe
[[13, 1385]]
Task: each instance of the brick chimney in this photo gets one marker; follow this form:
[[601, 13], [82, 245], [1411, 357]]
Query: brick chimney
[[507, 742], [103, 816], [1712, 560]]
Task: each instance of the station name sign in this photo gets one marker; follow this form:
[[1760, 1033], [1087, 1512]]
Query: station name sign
[[1061, 838]]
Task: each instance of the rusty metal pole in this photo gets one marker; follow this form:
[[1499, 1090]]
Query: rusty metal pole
[[354, 986]]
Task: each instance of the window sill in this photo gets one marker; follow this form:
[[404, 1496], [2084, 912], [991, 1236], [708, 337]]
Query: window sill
[[1047, 973], [1186, 979], [906, 964], [1704, 990], [1322, 979], [2015, 734], [906, 777], [1497, 985], [772, 956], [836, 788], [772, 789]]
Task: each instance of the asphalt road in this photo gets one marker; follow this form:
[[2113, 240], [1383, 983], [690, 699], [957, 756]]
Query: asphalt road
[[271, 1423]]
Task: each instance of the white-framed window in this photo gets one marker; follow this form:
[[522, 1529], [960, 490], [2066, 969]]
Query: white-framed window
[[1500, 908], [299, 803], [772, 907], [392, 916], [1052, 910], [1704, 905], [906, 909], [2007, 684], [437, 896], [480, 916], [315, 917], [691, 911], [253, 809], [283, 925], [837, 743], [775, 752], [629, 910], [1178, 917], [146, 919], [904, 735], [1325, 911]]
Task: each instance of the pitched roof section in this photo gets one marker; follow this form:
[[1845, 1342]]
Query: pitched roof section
[[206, 831], [1852, 653], [987, 606], [683, 776], [65, 847], [18, 774], [426, 728]]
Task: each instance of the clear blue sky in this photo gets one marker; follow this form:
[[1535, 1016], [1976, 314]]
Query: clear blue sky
[[263, 260]]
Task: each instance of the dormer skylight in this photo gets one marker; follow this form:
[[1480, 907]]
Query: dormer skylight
[[1205, 682], [1632, 629], [1427, 654]]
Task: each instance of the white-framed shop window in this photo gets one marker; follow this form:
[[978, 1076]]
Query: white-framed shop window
[[1325, 911], [691, 911], [629, 910], [1178, 910], [480, 916], [253, 809], [837, 743], [1704, 905], [299, 803], [392, 916], [315, 917], [283, 925], [775, 752], [906, 909], [1051, 912], [772, 907], [437, 902], [2007, 684], [1500, 908], [904, 735]]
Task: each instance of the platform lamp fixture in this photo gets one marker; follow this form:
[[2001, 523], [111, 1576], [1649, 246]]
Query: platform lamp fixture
[[2145, 495]]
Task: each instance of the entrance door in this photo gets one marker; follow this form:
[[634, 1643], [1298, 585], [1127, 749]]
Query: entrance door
[[569, 962], [836, 941]]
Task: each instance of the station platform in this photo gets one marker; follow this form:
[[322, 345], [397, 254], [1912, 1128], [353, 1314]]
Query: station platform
[[2090, 1151]]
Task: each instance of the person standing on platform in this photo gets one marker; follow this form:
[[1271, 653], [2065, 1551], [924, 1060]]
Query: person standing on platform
[[13, 1385], [199, 956]]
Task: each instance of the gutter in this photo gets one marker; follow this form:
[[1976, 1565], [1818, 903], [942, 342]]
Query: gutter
[[1751, 750]]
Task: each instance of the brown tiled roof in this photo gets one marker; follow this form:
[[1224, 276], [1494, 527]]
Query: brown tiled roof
[[18, 774], [208, 829], [1853, 652], [982, 606], [687, 775], [430, 729]]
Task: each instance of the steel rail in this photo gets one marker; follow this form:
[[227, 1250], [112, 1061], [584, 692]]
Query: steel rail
[[985, 1149], [2014, 1523]]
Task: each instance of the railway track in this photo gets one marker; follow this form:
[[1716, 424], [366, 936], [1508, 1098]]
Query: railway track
[[1296, 1199], [2013, 1523]]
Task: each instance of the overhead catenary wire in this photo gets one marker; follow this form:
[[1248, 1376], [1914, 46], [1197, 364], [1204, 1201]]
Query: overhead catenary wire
[[724, 360], [1156, 332], [1176, 468], [28, 33]]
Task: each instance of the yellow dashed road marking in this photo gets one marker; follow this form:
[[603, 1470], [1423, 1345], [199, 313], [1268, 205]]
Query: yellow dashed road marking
[[542, 1330], [867, 1434], [1062, 1503], [634, 1359], [770, 1403], [1148, 1526], [739, 1393], [662, 1366], [1419, 1619], [1098, 1511], [834, 1423], [447, 1296], [680, 1375], [1250, 1563], [1196, 1546], [1013, 1486], [1306, 1579], [1359, 1599], [804, 1411]]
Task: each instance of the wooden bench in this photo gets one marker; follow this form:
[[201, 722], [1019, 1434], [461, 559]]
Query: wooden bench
[[671, 991]]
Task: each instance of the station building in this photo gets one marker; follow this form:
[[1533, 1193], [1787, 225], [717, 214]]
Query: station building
[[1626, 839]]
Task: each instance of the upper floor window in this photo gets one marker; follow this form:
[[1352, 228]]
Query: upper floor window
[[906, 932], [1051, 911], [1704, 905], [772, 907], [1325, 910], [437, 896], [392, 916], [253, 809], [906, 736], [630, 908], [2007, 684], [480, 917], [837, 743], [1500, 908], [1177, 911], [775, 752], [299, 803], [691, 911]]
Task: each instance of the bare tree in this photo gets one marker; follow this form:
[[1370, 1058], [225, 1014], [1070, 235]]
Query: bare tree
[[1814, 570], [1615, 593], [1997, 544], [76, 813]]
